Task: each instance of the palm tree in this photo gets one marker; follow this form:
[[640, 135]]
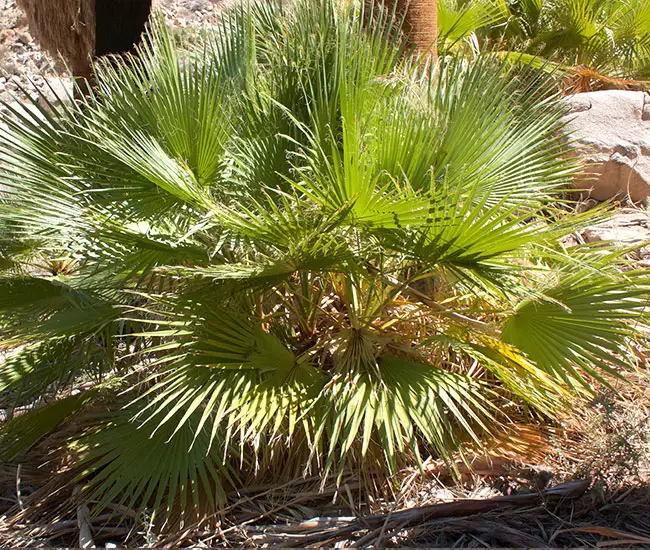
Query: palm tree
[[287, 248], [79, 30], [595, 38]]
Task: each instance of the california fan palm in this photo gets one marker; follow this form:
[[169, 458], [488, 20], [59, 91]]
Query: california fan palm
[[599, 37], [286, 248]]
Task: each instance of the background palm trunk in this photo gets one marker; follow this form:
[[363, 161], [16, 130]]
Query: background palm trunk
[[79, 30], [420, 23]]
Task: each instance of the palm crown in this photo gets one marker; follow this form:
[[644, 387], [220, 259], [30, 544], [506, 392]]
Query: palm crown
[[286, 244], [600, 38], [611, 37]]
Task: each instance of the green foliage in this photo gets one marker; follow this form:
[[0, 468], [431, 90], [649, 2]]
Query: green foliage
[[459, 21], [610, 37], [282, 248]]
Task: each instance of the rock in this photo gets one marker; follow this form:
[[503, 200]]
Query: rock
[[627, 228], [25, 39], [55, 90], [610, 131]]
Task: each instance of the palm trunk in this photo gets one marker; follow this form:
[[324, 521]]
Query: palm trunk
[[422, 19], [420, 23], [79, 30]]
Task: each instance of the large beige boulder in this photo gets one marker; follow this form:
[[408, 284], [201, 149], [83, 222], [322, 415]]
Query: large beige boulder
[[610, 131]]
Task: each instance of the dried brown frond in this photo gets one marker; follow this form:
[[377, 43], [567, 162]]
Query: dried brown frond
[[583, 79]]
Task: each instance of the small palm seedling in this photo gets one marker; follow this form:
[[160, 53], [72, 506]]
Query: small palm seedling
[[290, 250]]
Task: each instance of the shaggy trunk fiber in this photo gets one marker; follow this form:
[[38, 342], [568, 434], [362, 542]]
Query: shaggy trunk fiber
[[78, 30], [65, 28]]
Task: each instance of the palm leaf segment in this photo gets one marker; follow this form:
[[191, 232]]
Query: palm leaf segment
[[284, 244]]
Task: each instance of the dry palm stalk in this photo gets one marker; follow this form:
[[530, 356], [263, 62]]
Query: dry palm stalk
[[581, 81], [621, 537], [334, 528]]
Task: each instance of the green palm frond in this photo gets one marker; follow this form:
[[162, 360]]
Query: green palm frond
[[46, 368], [129, 464], [25, 430], [581, 324], [388, 412], [609, 37], [283, 242], [458, 21]]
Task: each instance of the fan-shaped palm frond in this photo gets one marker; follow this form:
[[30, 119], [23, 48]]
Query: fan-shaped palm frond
[[285, 243], [458, 21]]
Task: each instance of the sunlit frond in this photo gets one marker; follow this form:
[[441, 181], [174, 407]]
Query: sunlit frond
[[282, 245]]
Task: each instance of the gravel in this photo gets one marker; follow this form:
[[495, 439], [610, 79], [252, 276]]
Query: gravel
[[25, 69]]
